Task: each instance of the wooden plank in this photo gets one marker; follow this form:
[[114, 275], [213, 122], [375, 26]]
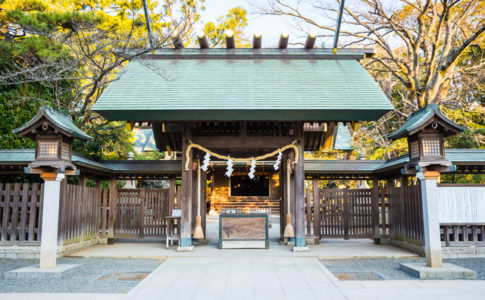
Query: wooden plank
[[316, 210], [41, 207], [23, 211], [112, 208], [308, 208], [143, 199], [104, 212], [6, 211], [15, 212], [33, 212], [346, 215]]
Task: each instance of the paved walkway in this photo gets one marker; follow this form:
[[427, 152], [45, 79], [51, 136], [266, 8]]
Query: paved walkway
[[328, 248], [300, 278]]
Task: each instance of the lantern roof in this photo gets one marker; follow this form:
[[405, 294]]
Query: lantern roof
[[63, 122], [418, 120]]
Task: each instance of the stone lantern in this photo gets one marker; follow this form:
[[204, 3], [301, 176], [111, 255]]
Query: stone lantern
[[425, 131], [53, 133]]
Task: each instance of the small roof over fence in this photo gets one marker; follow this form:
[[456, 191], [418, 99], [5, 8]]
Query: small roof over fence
[[466, 160], [244, 84]]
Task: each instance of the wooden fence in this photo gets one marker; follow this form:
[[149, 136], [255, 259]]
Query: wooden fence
[[21, 212], [405, 211], [141, 213], [79, 212], [339, 213], [82, 215]]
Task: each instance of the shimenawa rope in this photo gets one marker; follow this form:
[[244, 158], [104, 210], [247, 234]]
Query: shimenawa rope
[[247, 159]]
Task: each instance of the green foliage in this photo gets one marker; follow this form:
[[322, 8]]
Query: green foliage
[[235, 20]]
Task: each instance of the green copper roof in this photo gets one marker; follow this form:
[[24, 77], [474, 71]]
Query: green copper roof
[[343, 138], [59, 119], [420, 118], [189, 84]]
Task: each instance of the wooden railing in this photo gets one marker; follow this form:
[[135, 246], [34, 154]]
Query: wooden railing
[[462, 234]]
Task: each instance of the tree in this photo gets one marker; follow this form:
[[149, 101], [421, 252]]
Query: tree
[[420, 51], [66, 53]]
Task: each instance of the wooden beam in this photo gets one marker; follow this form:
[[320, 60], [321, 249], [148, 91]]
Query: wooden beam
[[257, 40], [230, 41], [283, 43], [249, 142], [203, 41], [310, 40]]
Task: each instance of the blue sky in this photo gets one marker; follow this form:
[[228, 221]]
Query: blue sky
[[270, 26]]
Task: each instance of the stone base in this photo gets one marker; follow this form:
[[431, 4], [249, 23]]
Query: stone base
[[448, 271], [300, 249], [185, 249], [36, 272]]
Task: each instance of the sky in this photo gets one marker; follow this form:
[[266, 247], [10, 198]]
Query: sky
[[270, 26]]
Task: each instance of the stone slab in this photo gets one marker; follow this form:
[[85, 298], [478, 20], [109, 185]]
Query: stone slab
[[185, 249], [31, 272], [244, 244], [301, 249], [448, 271]]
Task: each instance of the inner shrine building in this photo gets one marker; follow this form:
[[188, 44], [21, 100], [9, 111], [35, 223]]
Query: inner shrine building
[[246, 104]]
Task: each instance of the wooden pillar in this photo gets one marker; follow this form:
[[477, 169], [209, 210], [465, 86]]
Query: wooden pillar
[[375, 211], [316, 210], [203, 200], [185, 243], [113, 195], [299, 177], [283, 193]]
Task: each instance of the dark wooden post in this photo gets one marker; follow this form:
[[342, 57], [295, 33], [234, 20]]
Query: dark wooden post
[[299, 176], [316, 210], [375, 211], [112, 209], [283, 193], [186, 201], [203, 200]]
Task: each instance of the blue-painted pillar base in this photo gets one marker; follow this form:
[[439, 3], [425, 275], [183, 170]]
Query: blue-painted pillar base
[[291, 240], [185, 242], [300, 242]]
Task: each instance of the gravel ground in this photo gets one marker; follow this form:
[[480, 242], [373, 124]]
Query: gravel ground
[[84, 279], [388, 268]]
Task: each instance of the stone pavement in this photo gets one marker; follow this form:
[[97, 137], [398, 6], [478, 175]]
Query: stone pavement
[[60, 296], [300, 278]]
